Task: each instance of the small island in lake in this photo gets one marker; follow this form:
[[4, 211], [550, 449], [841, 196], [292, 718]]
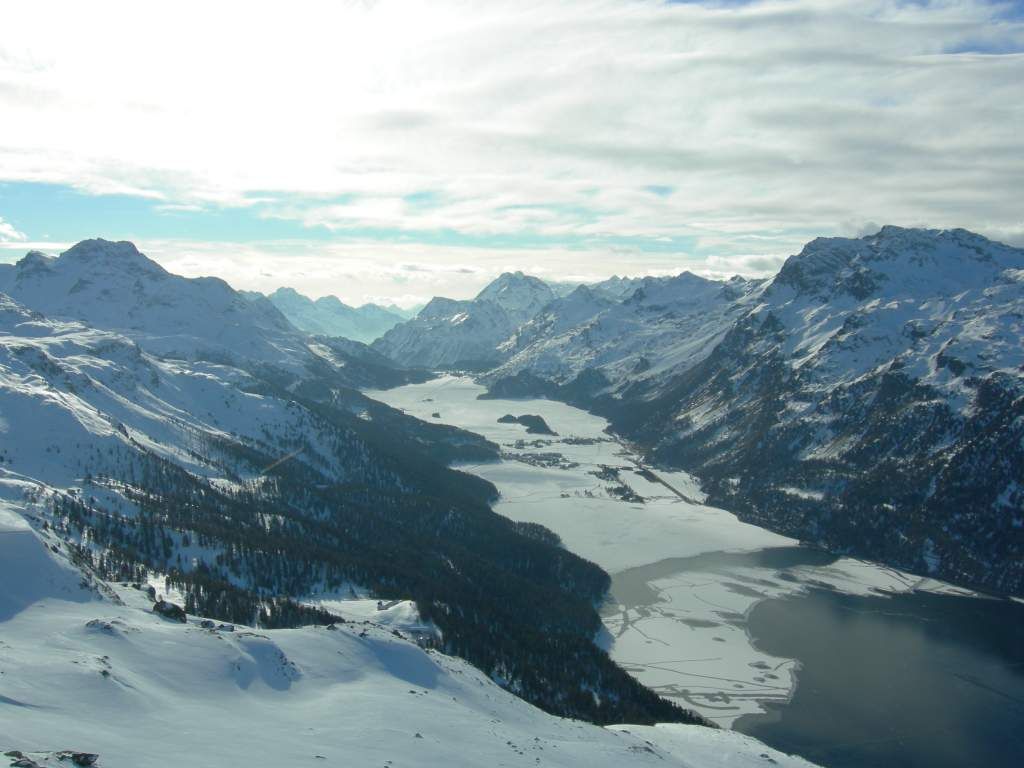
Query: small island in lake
[[535, 425]]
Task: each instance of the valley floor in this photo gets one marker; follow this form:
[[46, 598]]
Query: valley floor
[[685, 575]]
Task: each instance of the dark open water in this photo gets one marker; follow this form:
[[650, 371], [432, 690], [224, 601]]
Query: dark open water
[[909, 681], [913, 680]]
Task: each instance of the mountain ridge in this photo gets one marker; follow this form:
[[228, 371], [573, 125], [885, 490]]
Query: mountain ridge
[[451, 333], [330, 316]]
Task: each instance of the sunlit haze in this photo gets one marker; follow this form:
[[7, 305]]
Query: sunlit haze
[[392, 151]]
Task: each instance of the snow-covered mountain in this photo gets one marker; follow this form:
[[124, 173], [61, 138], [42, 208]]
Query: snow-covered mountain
[[521, 296], [664, 325], [112, 285], [467, 334], [617, 288], [563, 314], [71, 395], [206, 483], [90, 674], [329, 316], [868, 398]]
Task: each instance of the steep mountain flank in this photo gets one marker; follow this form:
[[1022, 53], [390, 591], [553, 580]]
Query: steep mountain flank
[[869, 398]]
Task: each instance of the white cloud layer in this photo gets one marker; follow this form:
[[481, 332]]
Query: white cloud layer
[[9, 234], [746, 127]]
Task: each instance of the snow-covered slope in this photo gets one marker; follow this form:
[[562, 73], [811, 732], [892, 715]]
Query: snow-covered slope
[[70, 394], [563, 314], [89, 668], [505, 318], [29, 572], [868, 398], [113, 286], [666, 324], [329, 316], [467, 334]]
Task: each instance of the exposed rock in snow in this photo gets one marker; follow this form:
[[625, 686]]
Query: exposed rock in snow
[[171, 611]]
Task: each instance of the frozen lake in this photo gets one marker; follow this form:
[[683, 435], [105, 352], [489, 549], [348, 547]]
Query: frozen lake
[[694, 590]]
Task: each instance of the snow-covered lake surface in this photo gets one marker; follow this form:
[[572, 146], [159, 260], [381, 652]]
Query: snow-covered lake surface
[[551, 480], [686, 576]]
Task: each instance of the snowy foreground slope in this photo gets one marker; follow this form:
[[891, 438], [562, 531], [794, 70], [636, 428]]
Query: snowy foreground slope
[[86, 666]]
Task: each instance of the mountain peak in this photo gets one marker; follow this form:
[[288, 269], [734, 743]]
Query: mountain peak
[[333, 303], [286, 292], [507, 280], [34, 261], [522, 296], [581, 291], [119, 255], [947, 260]]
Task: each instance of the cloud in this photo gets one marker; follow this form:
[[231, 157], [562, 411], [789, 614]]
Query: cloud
[[438, 267], [744, 128], [9, 234], [748, 265]]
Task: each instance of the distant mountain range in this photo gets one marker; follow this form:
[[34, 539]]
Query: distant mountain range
[[868, 398], [472, 334], [329, 316]]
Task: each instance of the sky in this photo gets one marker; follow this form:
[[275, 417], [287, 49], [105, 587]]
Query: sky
[[397, 150]]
